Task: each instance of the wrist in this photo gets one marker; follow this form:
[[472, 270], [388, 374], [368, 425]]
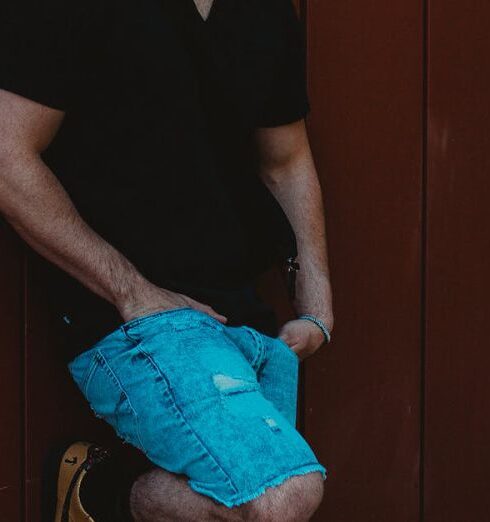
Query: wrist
[[320, 324], [129, 292]]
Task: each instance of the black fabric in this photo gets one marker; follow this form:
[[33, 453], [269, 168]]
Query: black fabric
[[156, 149]]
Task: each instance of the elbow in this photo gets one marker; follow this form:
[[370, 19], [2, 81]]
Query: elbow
[[282, 172], [270, 177]]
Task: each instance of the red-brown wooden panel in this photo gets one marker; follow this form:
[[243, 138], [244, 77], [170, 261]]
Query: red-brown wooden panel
[[11, 382], [363, 391], [457, 426]]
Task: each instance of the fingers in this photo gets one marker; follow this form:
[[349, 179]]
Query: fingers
[[288, 334], [297, 335], [294, 344], [287, 339], [208, 310]]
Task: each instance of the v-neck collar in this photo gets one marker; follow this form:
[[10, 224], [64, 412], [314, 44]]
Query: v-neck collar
[[198, 14]]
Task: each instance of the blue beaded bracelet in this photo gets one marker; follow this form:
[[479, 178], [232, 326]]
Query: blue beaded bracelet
[[319, 323]]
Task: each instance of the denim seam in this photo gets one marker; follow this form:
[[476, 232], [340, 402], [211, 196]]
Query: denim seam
[[128, 336], [138, 321], [171, 398], [285, 345], [88, 374], [155, 315], [259, 357], [110, 372], [197, 323]]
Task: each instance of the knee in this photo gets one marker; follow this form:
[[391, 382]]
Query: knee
[[293, 501]]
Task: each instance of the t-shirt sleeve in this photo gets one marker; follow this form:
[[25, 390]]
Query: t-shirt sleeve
[[287, 100], [34, 50]]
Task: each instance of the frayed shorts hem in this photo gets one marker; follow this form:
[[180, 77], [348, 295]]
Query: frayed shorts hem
[[243, 498]]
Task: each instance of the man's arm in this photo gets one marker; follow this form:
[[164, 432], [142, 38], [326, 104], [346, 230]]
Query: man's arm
[[288, 170], [36, 205]]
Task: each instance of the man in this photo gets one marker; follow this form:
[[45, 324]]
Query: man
[[155, 154]]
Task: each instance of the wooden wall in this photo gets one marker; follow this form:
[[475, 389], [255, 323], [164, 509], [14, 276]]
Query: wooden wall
[[363, 391], [397, 406], [457, 420]]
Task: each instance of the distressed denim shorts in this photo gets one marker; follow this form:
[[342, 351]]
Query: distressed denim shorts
[[216, 403]]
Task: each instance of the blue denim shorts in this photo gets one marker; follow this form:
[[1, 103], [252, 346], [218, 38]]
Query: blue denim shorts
[[216, 403]]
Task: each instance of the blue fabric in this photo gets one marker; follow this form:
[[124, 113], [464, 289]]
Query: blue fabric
[[214, 402]]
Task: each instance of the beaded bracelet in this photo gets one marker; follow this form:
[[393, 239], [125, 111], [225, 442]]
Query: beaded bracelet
[[319, 323]]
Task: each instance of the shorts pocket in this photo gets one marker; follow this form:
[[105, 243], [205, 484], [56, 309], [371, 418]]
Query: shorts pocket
[[250, 343], [108, 399]]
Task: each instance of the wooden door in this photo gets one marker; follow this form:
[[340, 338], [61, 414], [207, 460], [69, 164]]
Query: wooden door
[[398, 406], [457, 413], [362, 395]]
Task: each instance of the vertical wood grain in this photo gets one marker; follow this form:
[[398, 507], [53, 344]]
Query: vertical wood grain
[[457, 423], [363, 391]]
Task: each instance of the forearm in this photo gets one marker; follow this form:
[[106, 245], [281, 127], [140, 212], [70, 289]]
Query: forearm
[[37, 206], [35, 203], [296, 187]]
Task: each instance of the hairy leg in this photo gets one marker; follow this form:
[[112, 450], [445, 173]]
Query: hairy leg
[[159, 496], [296, 500]]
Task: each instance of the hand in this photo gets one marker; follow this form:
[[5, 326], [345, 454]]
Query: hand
[[147, 298], [303, 337]]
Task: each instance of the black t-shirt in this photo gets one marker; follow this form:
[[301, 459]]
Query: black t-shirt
[[157, 146]]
